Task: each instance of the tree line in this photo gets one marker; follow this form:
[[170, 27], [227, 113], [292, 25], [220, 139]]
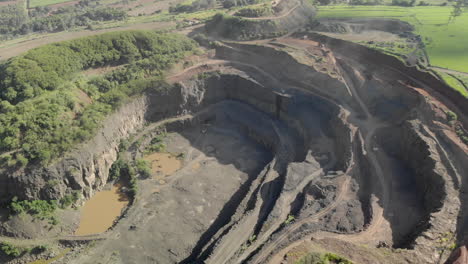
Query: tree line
[[17, 20]]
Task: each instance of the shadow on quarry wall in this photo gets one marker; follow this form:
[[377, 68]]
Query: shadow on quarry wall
[[414, 180], [253, 109]]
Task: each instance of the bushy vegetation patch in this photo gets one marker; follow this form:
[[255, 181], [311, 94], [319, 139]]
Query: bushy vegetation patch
[[327, 258], [46, 108], [126, 172], [156, 144], [461, 133], [143, 168], [69, 199], [11, 250], [192, 6], [255, 11], [40, 209]]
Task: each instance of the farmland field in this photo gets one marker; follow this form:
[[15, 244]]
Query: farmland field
[[446, 43], [35, 3], [450, 80]]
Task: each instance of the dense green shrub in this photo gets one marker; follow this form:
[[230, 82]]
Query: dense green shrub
[[126, 172], [461, 134], [116, 168], [11, 250], [40, 114], [156, 144], [69, 199], [143, 167], [40, 209], [451, 116]]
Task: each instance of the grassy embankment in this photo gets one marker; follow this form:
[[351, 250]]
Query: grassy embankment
[[446, 43]]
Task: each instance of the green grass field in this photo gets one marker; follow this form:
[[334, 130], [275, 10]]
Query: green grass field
[[35, 3], [446, 44], [454, 83]]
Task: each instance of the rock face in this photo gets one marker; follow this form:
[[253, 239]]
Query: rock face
[[85, 169], [361, 153]]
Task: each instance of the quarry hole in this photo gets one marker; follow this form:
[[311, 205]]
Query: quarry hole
[[211, 166]]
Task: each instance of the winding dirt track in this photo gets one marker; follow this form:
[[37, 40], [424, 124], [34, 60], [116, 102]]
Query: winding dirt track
[[378, 218], [265, 252], [368, 127]]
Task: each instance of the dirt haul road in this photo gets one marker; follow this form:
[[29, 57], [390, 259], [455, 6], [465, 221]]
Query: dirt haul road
[[368, 127]]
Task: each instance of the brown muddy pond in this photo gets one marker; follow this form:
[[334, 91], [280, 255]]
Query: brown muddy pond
[[99, 213], [163, 164]]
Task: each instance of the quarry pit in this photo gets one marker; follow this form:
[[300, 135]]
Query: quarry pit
[[274, 148], [280, 150]]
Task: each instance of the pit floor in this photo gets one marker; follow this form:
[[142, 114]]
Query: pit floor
[[169, 217]]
